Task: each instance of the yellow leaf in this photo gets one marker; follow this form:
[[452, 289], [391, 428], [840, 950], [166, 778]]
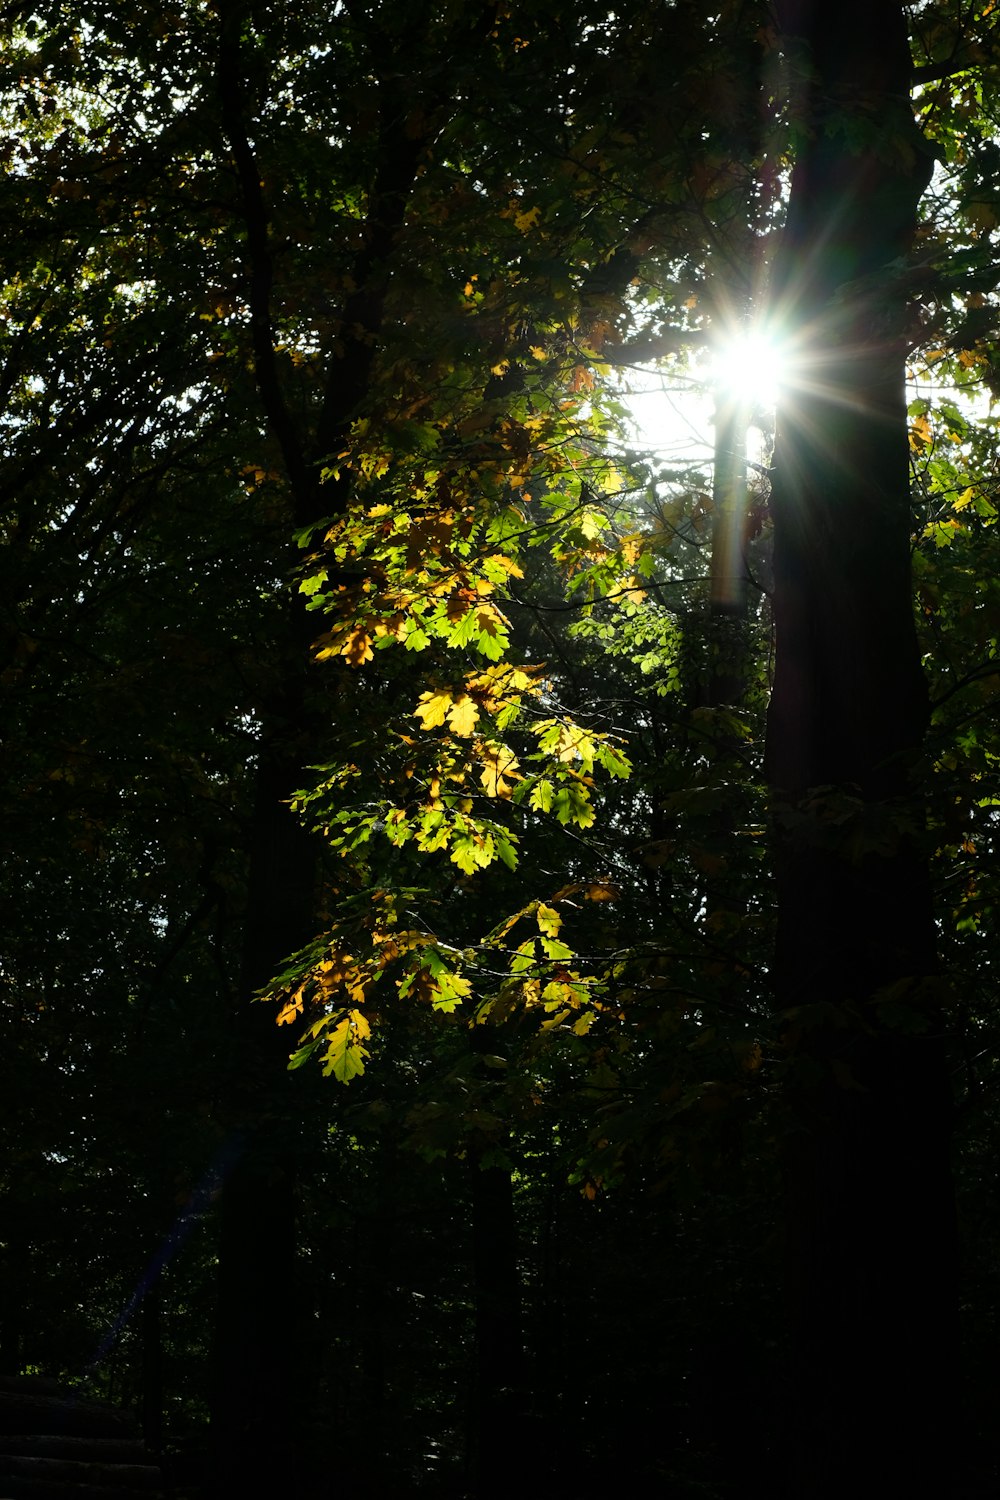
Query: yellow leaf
[[920, 433], [549, 920], [291, 1008], [498, 764], [531, 989], [394, 626], [507, 563], [569, 744], [335, 970], [432, 708], [527, 220], [358, 647], [462, 715], [329, 644], [600, 890]]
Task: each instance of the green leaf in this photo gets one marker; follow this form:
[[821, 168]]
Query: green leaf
[[555, 948], [613, 761], [345, 1056], [572, 805], [303, 1054], [541, 796]]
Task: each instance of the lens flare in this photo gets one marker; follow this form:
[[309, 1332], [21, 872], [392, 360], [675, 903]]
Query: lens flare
[[748, 368]]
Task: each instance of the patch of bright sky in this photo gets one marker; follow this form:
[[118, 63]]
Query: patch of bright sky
[[669, 416], [672, 410]]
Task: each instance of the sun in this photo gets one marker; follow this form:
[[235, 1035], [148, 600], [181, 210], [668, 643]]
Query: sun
[[675, 410], [748, 369]]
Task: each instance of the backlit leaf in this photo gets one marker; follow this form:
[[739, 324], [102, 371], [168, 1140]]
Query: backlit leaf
[[463, 715], [433, 707]]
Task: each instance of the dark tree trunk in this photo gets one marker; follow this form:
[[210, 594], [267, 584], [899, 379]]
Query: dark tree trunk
[[499, 1439], [152, 1366], [871, 1235], [255, 1380]]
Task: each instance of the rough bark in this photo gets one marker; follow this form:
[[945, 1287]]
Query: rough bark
[[871, 1243]]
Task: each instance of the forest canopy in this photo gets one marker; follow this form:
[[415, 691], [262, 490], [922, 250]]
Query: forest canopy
[[496, 969]]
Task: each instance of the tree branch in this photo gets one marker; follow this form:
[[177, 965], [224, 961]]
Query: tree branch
[[230, 86]]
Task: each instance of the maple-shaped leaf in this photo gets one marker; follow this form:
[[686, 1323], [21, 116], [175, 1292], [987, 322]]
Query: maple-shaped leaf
[[556, 948], [329, 644], [358, 647], [457, 604], [541, 796], [433, 707], [462, 715], [499, 763], [549, 920], [569, 743], [473, 851], [335, 970], [615, 762], [499, 567], [345, 1056], [451, 990], [292, 1008], [572, 805]]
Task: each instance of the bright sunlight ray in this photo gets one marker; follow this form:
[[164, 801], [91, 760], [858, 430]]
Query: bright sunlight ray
[[673, 413], [748, 368]]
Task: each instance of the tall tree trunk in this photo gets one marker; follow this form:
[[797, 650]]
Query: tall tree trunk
[[871, 1235], [255, 1380], [501, 1446], [152, 1366], [499, 1434], [728, 583]]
